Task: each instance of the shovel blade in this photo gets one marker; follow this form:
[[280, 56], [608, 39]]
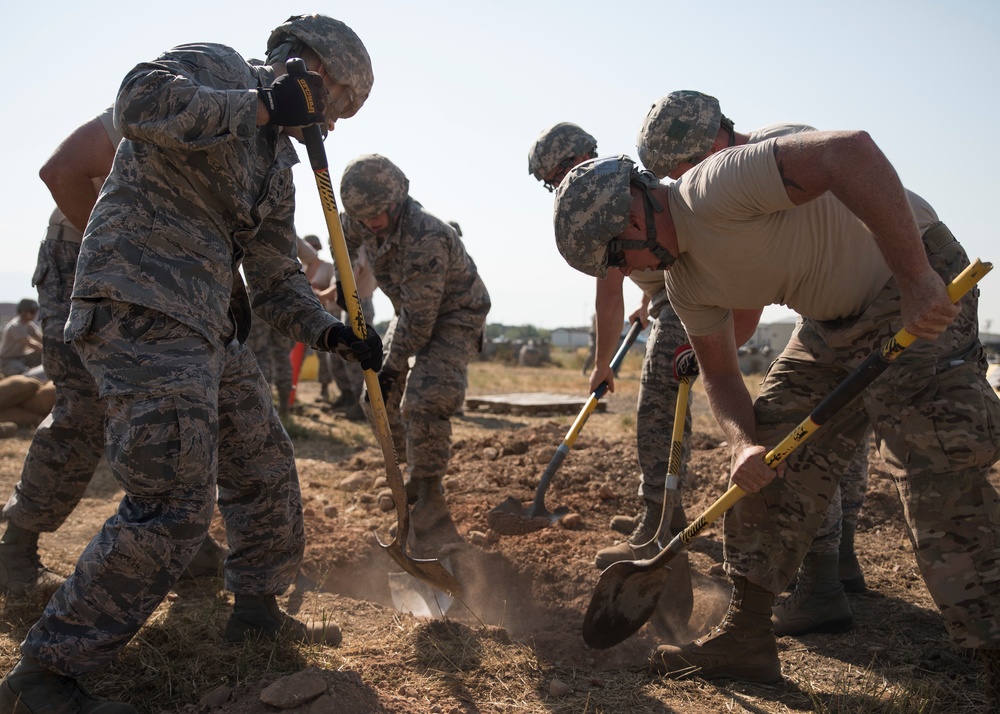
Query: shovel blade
[[511, 517], [417, 597], [429, 571], [623, 601]]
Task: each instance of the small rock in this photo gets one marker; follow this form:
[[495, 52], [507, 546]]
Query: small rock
[[356, 481], [606, 492], [717, 569], [597, 682], [325, 705], [330, 512], [544, 455], [309, 512], [380, 483], [558, 688], [479, 538], [9, 429], [294, 690], [367, 498], [217, 697], [490, 454], [385, 500], [173, 597], [571, 521]]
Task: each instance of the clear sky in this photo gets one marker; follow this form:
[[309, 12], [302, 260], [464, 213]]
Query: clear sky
[[463, 88]]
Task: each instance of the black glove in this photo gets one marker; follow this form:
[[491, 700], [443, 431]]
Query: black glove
[[295, 100], [341, 299], [386, 379], [368, 352]]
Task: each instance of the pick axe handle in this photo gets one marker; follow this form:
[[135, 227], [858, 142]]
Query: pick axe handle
[[574, 431], [313, 138], [845, 392]]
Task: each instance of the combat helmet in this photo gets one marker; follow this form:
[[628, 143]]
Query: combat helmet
[[559, 144], [371, 184], [679, 127], [592, 211], [342, 52]]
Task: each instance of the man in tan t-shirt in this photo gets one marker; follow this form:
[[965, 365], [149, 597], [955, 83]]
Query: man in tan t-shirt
[[819, 222], [21, 343]]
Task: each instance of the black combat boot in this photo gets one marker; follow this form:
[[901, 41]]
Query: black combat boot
[[259, 617], [30, 688], [21, 570]]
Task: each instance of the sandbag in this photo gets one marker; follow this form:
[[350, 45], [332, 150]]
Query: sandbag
[[42, 401], [16, 388], [20, 416]]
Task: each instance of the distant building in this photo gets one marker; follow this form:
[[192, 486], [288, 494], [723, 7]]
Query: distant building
[[570, 337]]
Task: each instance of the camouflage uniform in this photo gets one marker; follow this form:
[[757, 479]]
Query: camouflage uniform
[[658, 400], [67, 446], [271, 350], [158, 316], [441, 305], [937, 427]]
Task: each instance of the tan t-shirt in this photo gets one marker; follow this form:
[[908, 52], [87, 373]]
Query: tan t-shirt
[[745, 245]]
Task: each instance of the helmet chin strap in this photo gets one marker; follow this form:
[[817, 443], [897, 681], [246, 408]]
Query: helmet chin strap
[[651, 206]]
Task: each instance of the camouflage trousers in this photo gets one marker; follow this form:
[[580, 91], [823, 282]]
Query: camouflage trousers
[[937, 428], [434, 390], [67, 446], [847, 501], [182, 418], [349, 376], [658, 402], [271, 350]]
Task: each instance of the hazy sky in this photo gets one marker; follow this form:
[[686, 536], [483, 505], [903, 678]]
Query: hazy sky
[[462, 89]]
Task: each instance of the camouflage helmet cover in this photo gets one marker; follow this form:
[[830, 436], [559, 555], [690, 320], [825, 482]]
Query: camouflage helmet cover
[[678, 126], [342, 52], [557, 143], [591, 209], [371, 184]]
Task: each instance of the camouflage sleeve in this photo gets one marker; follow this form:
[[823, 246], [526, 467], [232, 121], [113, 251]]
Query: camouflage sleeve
[[279, 290], [174, 101], [421, 288], [352, 236]]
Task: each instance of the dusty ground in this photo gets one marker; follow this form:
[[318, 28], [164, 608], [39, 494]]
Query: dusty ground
[[516, 636]]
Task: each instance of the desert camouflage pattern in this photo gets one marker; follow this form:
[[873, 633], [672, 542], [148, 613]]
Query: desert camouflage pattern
[[348, 376], [658, 403], [847, 501], [371, 185], [179, 412], [441, 305], [591, 209], [937, 427], [556, 144], [196, 190], [677, 127], [271, 350], [67, 446], [342, 52]]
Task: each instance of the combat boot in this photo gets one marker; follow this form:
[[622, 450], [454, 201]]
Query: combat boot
[[430, 510], [741, 647], [849, 569], [625, 524], [355, 412], [284, 402], [30, 688], [818, 604], [21, 570], [208, 561], [259, 617], [344, 400], [635, 546]]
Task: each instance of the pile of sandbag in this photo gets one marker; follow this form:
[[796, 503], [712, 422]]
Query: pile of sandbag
[[24, 402]]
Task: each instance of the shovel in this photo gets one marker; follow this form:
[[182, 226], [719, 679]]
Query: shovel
[[510, 517], [627, 591], [429, 571]]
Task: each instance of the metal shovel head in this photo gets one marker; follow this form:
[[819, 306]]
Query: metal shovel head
[[624, 599], [511, 517], [417, 597], [429, 571]]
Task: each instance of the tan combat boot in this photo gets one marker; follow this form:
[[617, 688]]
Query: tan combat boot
[[741, 647], [30, 688], [631, 548], [21, 570], [259, 617], [849, 569], [818, 603]]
